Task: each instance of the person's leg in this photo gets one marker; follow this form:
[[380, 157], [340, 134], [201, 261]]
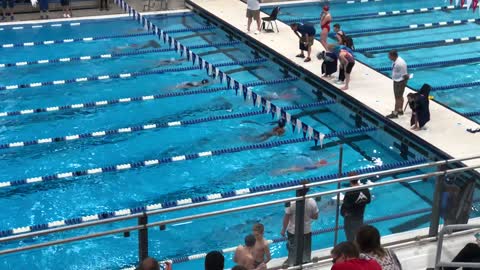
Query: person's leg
[[323, 38], [347, 80], [291, 248], [347, 227], [249, 19], [259, 21], [307, 247]]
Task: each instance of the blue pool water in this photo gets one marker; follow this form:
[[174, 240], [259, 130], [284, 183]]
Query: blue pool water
[[462, 100], [80, 196]]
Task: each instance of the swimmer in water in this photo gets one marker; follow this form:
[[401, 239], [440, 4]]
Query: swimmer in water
[[320, 163], [165, 62], [279, 130], [188, 85], [149, 44]]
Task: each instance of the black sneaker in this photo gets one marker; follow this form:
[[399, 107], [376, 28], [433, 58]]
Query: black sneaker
[[400, 113], [393, 115]]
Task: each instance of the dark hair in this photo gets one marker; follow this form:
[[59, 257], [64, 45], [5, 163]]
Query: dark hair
[[281, 123], [250, 240], [238, 267], [303, 192], [294, 24], [393, 53], [368, 240], [347, 249], [149, 264], [204, 81], [214, 261], [336, 25]]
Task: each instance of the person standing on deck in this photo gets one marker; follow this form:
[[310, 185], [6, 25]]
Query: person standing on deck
[[253, 12], [400, 78], [325, 20], [306, 34]]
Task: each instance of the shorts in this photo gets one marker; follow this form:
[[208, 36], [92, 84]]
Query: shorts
[[253, 14], [8, 3], [65, 3], [349, 67], [309, 40], [399, 88]]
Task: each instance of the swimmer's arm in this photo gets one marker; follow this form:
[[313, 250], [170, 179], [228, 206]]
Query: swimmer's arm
[[266, 249]]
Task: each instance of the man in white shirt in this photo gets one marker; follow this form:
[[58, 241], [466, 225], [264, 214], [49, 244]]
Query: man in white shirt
[[311, 213], [253, 12], [400, 78]]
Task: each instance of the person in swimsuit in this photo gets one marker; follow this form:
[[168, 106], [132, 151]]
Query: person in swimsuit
[[261, 251], [347, 61], [244, 254], [188, 85], [325, 20], [149, 44], [279, 130], [314, 166]]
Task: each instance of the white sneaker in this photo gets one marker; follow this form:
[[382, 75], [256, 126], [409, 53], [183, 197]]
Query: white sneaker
[[64, 15], [339, 82], [68, 16], [256, 32]]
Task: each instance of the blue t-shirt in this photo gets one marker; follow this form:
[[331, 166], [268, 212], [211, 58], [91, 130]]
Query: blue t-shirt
[[306, 29]]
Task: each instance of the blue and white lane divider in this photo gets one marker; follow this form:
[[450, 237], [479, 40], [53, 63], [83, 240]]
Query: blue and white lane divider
[[103, 103], [374, 14], [58, 25], [412, 26], [69, 40], [420, 44], [210, 197], [212, 70], [433, 64], [111, 55], [153, 162], [152, 126], [125, 75], [453, 86], [471, 114], [88, 39]]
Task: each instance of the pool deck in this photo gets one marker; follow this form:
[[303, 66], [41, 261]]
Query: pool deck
[[446, 129]]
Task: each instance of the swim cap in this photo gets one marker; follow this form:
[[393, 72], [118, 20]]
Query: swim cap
[[326, 8], [281, 122], [204, 81]]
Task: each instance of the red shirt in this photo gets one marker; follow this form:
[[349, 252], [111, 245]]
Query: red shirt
[[357, 264]]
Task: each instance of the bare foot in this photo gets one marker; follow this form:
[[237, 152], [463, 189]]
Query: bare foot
[[344, 88]]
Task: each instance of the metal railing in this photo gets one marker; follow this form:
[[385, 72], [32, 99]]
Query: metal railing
[[441, 235], [143, 223]]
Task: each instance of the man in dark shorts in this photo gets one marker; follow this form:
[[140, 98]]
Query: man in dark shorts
[[253, 12], [306, 33], [67, 10], [400, 78], [8, 5], [353, 209]]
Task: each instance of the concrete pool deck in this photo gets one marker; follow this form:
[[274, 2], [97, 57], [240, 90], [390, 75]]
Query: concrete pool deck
[[446, 130]]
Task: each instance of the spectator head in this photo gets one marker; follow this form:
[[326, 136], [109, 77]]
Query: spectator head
[[393, 55], [149, 264], [258, 230], [238, 267], [304, 191], [294, 26], [343, 252], [368, 240], [353, 182], [214, 261], [336, 27], [250, 240]]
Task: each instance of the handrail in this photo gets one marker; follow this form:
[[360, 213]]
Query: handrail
[[212, 213], [235, 198], [441, 234]]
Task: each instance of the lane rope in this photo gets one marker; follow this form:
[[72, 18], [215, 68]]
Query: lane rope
[[103, 103], [111, 55], [155, 162], [194, 200], [420, 44], [88, 39], [125, 75], [374, 14]]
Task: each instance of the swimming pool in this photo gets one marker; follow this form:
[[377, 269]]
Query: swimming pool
[[30, 204], [404, 22]]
